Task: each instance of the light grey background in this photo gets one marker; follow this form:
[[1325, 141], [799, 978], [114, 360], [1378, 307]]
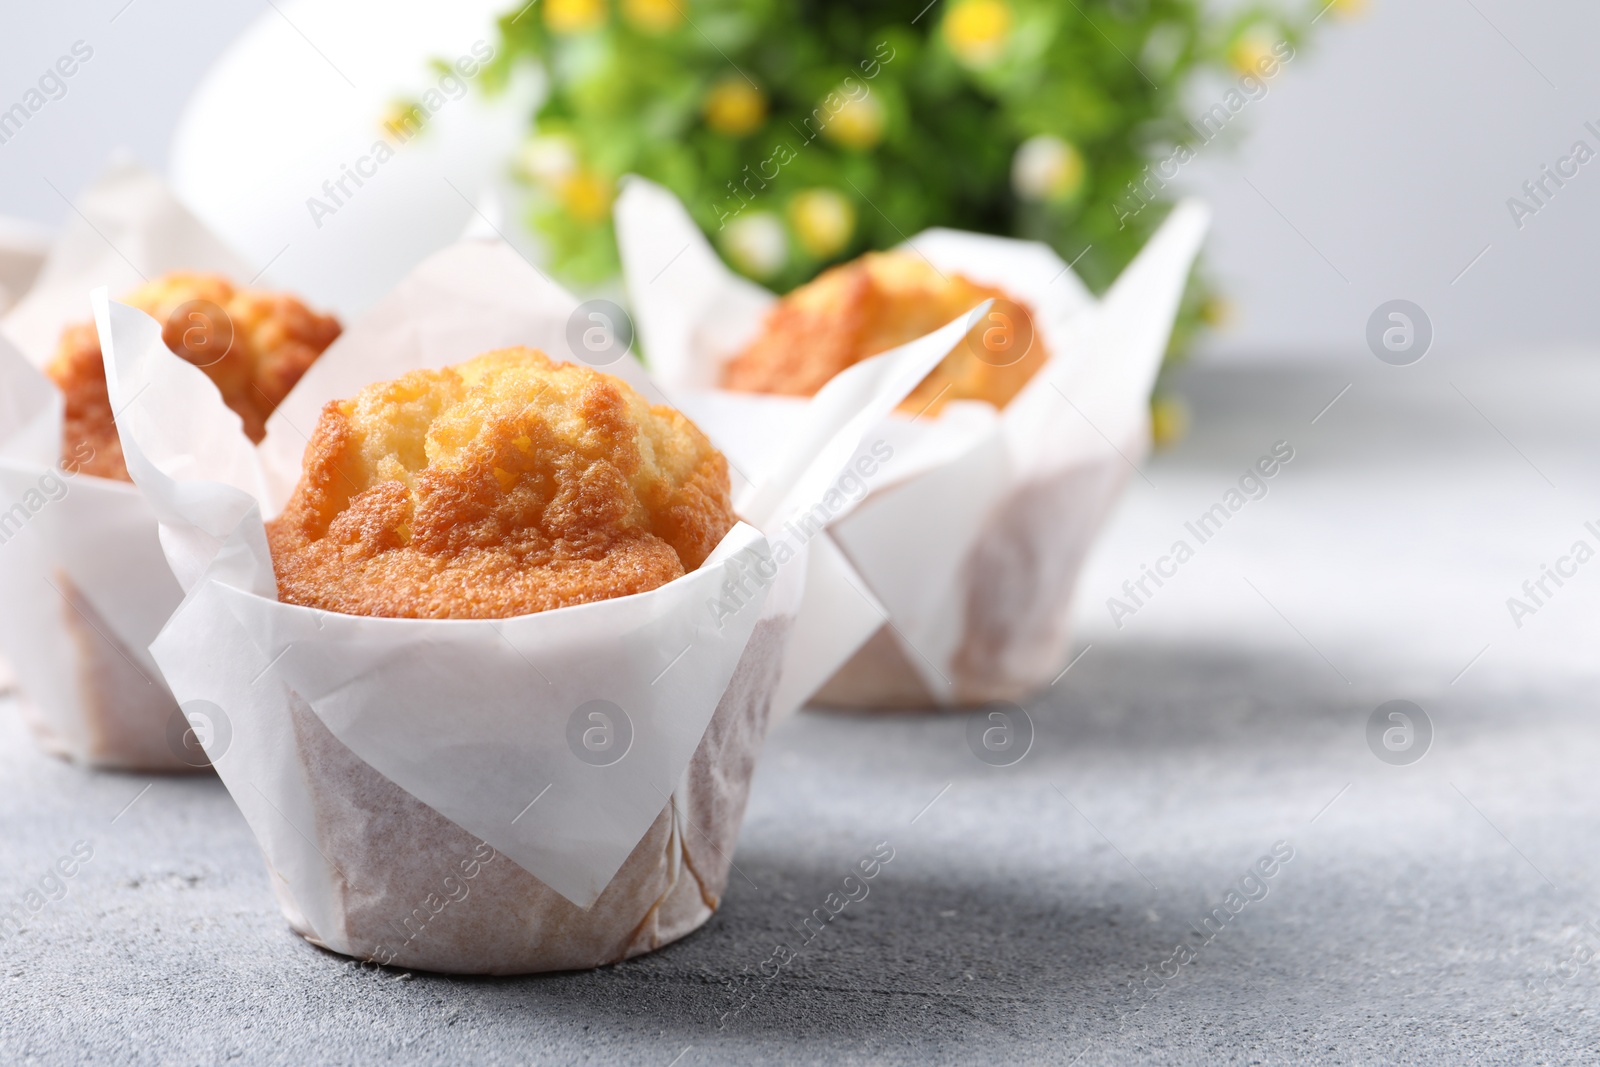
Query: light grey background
[[1378, 166]]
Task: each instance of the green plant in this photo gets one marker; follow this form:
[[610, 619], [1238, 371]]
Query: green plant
[[802, 133]]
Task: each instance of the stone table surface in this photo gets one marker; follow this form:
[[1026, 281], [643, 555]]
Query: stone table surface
[[1051, 911]]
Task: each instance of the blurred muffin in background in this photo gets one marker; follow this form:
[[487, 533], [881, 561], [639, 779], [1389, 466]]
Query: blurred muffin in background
[[254, 345], [878, 302]]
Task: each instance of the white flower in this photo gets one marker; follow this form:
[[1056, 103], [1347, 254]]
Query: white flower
[[1046, 168], [757, 244], [548, 159]]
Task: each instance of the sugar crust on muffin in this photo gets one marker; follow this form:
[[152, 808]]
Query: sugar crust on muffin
[[870, 305], [506, 485], [274, 340]]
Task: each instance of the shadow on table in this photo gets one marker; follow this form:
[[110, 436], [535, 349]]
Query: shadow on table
[[921, 959], [962, 956], [942, 954]]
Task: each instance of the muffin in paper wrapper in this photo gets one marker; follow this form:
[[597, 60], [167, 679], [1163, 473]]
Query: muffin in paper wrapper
[[83, 582], [546, 792], [971, 537]]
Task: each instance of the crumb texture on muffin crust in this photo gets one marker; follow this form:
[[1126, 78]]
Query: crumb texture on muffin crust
[[274, 340], [872, 304], [503, 486]]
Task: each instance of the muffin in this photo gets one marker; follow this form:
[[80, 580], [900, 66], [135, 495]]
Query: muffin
[[254, 346], [506, 485], [879, 302]]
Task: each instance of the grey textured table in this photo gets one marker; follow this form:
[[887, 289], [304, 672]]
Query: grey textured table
[[1431, 913]]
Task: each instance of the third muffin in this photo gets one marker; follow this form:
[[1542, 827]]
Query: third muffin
[[878, 302]]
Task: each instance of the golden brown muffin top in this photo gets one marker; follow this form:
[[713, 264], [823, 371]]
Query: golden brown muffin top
[[878, 302], [254, 346], [503, 486]]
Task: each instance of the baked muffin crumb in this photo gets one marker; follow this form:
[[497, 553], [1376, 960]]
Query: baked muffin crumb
[[503, 486]]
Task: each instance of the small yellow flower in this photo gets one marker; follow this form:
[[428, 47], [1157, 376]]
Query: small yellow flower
[[757, 244], [858, 123], [1169, 420], [586, 196], [735, 107], [823, 221], [403, 120], [977, 31], [1047, 168], [1349, 8], [1251, 51], [574, 16], [653, 16], [1217, 313]]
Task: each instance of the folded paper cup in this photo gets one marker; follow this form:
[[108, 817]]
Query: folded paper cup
[[23, 246], [973, 528], [83, 580], [544, 792]]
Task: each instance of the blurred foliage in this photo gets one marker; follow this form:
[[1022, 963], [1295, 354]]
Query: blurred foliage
[[802, 133]]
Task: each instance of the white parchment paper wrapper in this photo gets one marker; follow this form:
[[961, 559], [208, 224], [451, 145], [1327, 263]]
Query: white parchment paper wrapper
[[83, 584], [375, 758], [972, 535], [23, 247]]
